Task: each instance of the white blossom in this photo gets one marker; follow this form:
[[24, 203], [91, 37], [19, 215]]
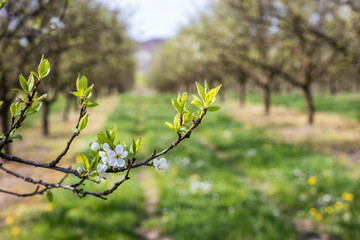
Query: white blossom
[[160, 164], [117, 156], [106, 147], [95, 147], [104, 157], [101, 168]]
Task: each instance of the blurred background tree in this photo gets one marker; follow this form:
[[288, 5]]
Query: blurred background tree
[[77, 37], [269, 45]]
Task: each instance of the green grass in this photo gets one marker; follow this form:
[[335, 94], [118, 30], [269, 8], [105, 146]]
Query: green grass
[[225, 182], [257, 186], [345, 104]]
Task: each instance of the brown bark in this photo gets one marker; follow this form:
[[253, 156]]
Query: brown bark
[[309, 103], [266, 96], [5, 122], [332, 86]]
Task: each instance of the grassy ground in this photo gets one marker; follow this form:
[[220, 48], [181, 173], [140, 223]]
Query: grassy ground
[[345, 104], [228, 181]]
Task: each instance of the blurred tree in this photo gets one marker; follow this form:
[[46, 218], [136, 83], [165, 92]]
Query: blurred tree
[[91, 39], [307, 57], [87, 38], [22, 24], [342, 31]]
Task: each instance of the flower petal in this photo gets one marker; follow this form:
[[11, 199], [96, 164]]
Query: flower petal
[[113, 162], [105, 160], [119, 149], [163, 165], [102, 154], [95, 146], [111, 154], [155, 162], [106, 147], [124, 154], [100, 167], [121, 162]]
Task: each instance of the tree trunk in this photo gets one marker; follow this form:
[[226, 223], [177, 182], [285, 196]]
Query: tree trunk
[[45, 118], [242, 92], [332, 87], [266, 96], [309, 103], [5, 122]]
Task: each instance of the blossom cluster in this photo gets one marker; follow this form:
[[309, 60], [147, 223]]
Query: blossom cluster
[[112, 157]]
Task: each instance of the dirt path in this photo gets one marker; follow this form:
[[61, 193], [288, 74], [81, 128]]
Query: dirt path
[[34, 146], [151, 193]]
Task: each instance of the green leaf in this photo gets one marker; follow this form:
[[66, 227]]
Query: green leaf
[[133, 147], [206, 87], [176, 122], [49, 195], [81, 84], [196, 98], [197, 103], [35, 74], [217, 89], [183, 100], [113, 134], [86, 161], [23, 83], [1, 136], [201, 90], [31, 82], [107, 132], [2, 3], [74, 130], [12, 133], [125, 146], [37, 106], [42, 97], [138, 144], [87, 92], [210, 95], [213, 108], [43, 68], [104, 139], [188, 116], [1, 103], [92, 104], [176, 105], [19, 90], [34, 108], [17, 136], [13, 109], [172, 127], [76, 94], [94, 163], [83, 122]]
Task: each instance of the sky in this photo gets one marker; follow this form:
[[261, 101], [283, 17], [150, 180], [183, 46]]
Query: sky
[[157, 18]]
